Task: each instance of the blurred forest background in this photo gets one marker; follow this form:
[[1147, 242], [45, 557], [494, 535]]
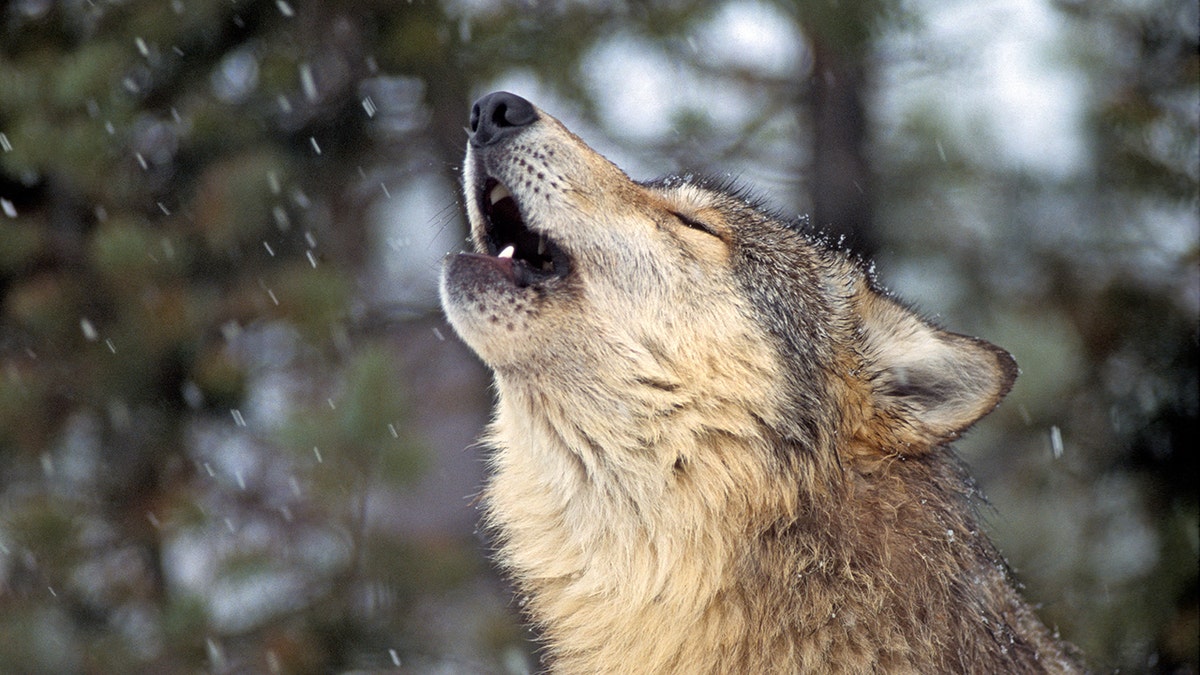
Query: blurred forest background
[[236, 433]]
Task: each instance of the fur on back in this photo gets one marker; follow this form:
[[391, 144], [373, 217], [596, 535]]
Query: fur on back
[[717, 446]]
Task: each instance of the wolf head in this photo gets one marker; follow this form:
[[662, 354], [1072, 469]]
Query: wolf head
[[629, 313]]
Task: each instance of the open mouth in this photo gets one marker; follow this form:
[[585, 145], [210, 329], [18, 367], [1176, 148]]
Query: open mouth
[[535, 257]]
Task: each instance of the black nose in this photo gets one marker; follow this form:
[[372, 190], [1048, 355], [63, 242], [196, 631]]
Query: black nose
[[499, 114]]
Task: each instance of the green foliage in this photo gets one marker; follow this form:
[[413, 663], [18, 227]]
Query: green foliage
[[153, 224], [19, 246], [48, 528], [356, 432]]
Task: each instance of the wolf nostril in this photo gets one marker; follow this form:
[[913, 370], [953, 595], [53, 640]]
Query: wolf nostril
[[498, 115]]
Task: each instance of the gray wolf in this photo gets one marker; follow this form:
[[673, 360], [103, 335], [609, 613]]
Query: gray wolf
[[718, 446]]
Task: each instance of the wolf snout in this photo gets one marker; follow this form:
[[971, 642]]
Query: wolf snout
[[499, 115]]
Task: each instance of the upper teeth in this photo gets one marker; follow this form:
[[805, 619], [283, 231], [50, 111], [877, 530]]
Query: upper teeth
[[499, 192], [508, 251]]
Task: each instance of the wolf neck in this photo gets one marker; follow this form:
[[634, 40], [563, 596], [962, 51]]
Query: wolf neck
[[615, 530], [632, 535], [687, 553]]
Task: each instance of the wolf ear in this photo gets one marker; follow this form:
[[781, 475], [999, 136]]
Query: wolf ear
[[929, 384]]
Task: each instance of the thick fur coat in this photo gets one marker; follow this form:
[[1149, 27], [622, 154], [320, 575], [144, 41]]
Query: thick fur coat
[[718, 447]]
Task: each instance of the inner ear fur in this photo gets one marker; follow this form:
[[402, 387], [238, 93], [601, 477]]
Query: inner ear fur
[[927, 384]]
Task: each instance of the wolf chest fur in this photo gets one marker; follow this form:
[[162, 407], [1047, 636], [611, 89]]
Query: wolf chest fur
[[718, 447]]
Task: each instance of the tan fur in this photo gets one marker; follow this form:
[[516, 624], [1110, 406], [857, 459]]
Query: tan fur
[[723, 451]]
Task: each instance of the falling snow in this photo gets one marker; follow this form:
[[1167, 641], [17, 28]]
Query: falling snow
[[1056, 442], [307, 83]]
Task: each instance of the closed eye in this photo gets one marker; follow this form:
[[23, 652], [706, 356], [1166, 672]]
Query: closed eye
[[695, 224]]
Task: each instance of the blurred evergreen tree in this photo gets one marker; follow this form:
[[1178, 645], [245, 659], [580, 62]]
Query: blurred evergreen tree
[[1139, 321], [183, 236], [1089, 278]]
